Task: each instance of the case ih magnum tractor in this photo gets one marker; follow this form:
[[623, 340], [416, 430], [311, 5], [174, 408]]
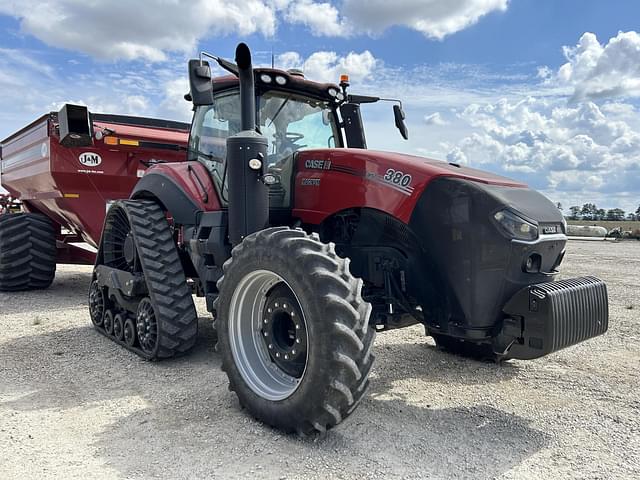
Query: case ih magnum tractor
[[305, 244]]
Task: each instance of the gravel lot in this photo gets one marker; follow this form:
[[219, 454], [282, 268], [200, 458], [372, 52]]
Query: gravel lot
[[75, 405]]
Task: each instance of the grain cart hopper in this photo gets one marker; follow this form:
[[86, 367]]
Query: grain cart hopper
[[65, 168], [304, 244]]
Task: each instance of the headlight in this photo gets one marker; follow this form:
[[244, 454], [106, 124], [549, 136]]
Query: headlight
[[514, 226]]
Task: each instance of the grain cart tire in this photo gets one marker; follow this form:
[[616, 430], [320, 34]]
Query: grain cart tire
[[27, 252], [138, 239], [293, 331]]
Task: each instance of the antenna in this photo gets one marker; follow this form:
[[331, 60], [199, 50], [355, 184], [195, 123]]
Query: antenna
[[272, 57]]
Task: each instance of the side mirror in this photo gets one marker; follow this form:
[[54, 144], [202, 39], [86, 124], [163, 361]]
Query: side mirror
[[200, 88], [399, 116]]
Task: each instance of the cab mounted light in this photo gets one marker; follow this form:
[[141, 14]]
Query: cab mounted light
[[515, 226]]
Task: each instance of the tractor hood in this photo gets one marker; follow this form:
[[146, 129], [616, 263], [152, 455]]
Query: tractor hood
[[438, 168], [330, 180]]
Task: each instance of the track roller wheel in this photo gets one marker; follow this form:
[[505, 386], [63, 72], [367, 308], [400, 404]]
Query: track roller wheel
[[96, 304], [118, 326], [108, 322], [293, 331], [138, 239], [129, 332], [147, 327]]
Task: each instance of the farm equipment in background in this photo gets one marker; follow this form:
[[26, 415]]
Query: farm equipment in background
[[66, 168], [8, 204], [303, 242]]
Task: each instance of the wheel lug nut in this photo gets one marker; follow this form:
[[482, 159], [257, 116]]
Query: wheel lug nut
[[266, 321], [266, 334], [269, 310], [277, 355], [293, 314], [293, 352], [297, 326], [297, 340], [275, 304], [270, 346], [284, 305], [286, 357]]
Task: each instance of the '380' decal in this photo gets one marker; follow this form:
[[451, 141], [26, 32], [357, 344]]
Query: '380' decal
[[397, 177], [398, 180]]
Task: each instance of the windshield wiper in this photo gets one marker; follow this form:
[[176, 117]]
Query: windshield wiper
[[200, 153]]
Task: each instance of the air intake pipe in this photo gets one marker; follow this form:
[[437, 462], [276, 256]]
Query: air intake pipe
[[246, 156]]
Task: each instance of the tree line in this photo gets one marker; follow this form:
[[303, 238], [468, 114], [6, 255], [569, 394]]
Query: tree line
[[590, 211]]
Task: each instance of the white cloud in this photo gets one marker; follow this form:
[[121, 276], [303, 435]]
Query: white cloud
[[147, 29], [557, 148], [321, 18], [602, 71], [150, 29], [435, 119], [434, 18], [328, 66]]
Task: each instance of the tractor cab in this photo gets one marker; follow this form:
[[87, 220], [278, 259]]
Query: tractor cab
[[292, 113]]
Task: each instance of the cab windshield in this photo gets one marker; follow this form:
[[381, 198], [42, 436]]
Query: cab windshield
[[289, 122]]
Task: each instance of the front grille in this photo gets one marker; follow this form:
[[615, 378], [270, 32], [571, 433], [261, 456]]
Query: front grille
[[578, 306]]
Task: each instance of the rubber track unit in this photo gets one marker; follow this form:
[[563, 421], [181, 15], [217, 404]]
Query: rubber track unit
[[340, 339], [164, 275], [27, 252]]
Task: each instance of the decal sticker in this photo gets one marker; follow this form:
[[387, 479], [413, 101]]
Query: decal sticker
[[397, 177], [317, 164], [310, 182], [44, 150], [90, 159]]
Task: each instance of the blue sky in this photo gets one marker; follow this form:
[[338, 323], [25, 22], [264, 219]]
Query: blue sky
[[546, 91]]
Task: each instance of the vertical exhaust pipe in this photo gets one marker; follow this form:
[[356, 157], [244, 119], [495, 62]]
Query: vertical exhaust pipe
[[246, 156]]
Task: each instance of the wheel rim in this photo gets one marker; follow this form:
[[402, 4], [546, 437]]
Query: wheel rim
[[118, 245], [147, 326], [261, 334], [129, 332], [96, 304]]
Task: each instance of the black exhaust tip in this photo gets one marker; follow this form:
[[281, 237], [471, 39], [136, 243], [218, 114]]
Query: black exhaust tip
[[243, 56]]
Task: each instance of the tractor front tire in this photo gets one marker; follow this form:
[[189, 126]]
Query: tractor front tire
[[27, 252], [293, 331]]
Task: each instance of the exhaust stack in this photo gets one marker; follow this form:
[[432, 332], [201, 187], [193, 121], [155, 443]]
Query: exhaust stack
[[246, 156]]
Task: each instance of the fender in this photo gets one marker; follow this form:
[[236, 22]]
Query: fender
[[184, 189]]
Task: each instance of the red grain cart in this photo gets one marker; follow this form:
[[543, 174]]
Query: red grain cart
[[70, 165]]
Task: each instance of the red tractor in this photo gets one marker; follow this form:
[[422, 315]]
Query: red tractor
[[305, 244]]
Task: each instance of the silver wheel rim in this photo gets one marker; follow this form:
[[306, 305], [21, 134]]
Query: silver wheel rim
[[248, 348]]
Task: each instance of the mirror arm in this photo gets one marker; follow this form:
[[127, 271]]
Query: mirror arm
[[225, 64]]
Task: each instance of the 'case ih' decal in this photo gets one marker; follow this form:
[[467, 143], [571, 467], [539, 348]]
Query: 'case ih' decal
[[317, 164]]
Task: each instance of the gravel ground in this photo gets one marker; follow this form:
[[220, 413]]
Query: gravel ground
[[74, 405]]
